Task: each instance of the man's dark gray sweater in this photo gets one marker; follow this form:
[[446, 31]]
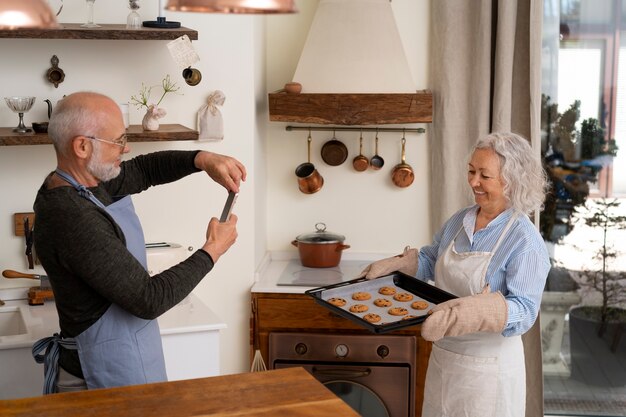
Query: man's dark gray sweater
[[83, 251]]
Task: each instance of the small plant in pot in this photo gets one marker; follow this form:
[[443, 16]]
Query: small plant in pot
[[598, 332], [153, 111]]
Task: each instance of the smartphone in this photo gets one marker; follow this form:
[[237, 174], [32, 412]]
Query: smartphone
[[228, 207]]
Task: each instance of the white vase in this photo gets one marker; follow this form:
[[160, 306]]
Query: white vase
[[151, 118]]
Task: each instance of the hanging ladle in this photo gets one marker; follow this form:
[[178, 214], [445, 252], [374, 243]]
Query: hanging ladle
[[360, 162], [377, 161]]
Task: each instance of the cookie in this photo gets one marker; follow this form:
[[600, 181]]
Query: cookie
[[359, 308], [408, 317], [398, 311], [419, 305], [387, 290], [372, 318], [337, 301], [361, 296], [382, 302], [403, 296]]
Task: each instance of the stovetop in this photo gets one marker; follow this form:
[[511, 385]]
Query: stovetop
[[295, 274]]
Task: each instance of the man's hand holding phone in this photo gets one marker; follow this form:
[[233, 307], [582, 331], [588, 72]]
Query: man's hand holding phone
[[222, 233]]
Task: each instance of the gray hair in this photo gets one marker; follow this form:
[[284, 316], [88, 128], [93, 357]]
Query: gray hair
[[525, 181], [72, 118]]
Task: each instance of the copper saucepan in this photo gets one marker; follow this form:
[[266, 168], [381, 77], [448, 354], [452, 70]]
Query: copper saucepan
[[360, 162], [309, 179], [377, 161], [402, 174]]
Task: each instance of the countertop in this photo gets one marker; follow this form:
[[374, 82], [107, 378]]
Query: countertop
[[190, 315], [287, 392], [274, 264]]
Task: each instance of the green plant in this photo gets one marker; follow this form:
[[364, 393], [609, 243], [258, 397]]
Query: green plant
[[560, 128], [602, 214], [593, 141], [143, 98]]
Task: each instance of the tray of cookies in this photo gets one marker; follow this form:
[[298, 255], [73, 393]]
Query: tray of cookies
[[384, 304]]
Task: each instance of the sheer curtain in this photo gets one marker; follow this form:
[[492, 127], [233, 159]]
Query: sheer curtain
[[485, 73]]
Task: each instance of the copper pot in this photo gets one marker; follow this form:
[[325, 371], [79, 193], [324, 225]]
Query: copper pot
[[402, 174], [320, 249], [309, 179]]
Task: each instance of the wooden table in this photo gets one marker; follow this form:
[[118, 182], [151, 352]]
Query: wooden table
[[284, 392]]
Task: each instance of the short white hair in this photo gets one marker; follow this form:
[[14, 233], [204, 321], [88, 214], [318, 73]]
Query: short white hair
[[71, 118], [525, 181]]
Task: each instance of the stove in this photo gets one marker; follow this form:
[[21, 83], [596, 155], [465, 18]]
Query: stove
[[295, 274]]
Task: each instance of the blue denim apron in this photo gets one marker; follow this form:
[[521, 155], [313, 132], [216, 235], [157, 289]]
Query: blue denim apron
[[119, 349]]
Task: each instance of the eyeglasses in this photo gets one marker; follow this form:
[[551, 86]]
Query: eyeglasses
[[121, 141]]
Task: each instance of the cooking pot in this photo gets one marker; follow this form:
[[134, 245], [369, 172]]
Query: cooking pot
[[320, 249]]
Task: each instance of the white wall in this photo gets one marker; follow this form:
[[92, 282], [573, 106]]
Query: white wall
[[238, 59]]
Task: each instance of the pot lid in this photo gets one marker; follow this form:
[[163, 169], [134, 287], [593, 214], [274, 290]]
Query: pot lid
[[320, 236]]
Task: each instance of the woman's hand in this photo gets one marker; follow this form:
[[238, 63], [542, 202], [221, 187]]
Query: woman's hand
[[405, 262]]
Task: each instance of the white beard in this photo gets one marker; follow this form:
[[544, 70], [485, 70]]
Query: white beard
[[103, 172]]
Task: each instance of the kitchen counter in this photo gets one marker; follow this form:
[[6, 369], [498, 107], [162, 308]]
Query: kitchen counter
[[289, 392], [188, 316], [275, 264], [190, 333]]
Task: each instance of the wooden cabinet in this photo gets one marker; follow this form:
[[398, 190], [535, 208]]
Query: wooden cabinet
[[280, 312]]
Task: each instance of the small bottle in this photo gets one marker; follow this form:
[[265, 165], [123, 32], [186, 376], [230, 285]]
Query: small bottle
[[133, 21]]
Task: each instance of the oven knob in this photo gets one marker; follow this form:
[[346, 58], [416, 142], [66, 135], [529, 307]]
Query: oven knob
[[301, 349], [383, 351], [341, 351]]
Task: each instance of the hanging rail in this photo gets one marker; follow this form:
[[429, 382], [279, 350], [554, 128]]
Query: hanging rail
[[357, 129]]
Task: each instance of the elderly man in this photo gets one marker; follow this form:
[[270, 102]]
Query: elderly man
[[91, 244]]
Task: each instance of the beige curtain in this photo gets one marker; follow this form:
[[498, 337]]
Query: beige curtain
[[485, 72]]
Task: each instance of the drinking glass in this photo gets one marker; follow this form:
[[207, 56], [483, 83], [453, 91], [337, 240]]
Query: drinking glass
[[133, 21], [90, 23], [20, 105]]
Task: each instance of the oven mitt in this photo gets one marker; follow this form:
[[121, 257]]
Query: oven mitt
[[485, 312], [405, 262]]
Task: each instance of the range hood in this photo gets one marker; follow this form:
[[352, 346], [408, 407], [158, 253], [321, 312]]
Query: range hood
[[353, 71]]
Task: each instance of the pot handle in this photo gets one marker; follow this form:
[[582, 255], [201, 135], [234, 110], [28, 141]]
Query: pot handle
[[294, 243], [341, 247]]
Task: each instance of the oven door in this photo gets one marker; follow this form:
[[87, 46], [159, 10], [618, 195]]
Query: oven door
[[372, 391], [374, 374]]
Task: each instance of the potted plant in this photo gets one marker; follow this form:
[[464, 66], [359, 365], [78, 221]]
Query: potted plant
[[598, 332], [153, 112]]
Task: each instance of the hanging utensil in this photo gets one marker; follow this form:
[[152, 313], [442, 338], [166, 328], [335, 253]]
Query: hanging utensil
[[402, 174], [258, 364], [334, 152], [309, 179], [360, 162], [377, 161]]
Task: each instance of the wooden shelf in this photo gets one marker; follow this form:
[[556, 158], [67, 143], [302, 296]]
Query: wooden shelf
[[166, 132], [351, 109], [106, 31]]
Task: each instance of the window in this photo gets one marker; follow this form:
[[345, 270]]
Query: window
[[584, 220]]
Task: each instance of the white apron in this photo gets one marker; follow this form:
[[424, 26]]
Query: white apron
[[479, 374]]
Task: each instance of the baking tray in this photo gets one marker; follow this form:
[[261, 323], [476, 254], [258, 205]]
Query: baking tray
[[401, 282]]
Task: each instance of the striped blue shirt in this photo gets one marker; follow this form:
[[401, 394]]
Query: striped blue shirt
[[518, 269]]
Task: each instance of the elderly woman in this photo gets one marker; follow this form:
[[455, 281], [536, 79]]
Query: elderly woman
[[493, 258]]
